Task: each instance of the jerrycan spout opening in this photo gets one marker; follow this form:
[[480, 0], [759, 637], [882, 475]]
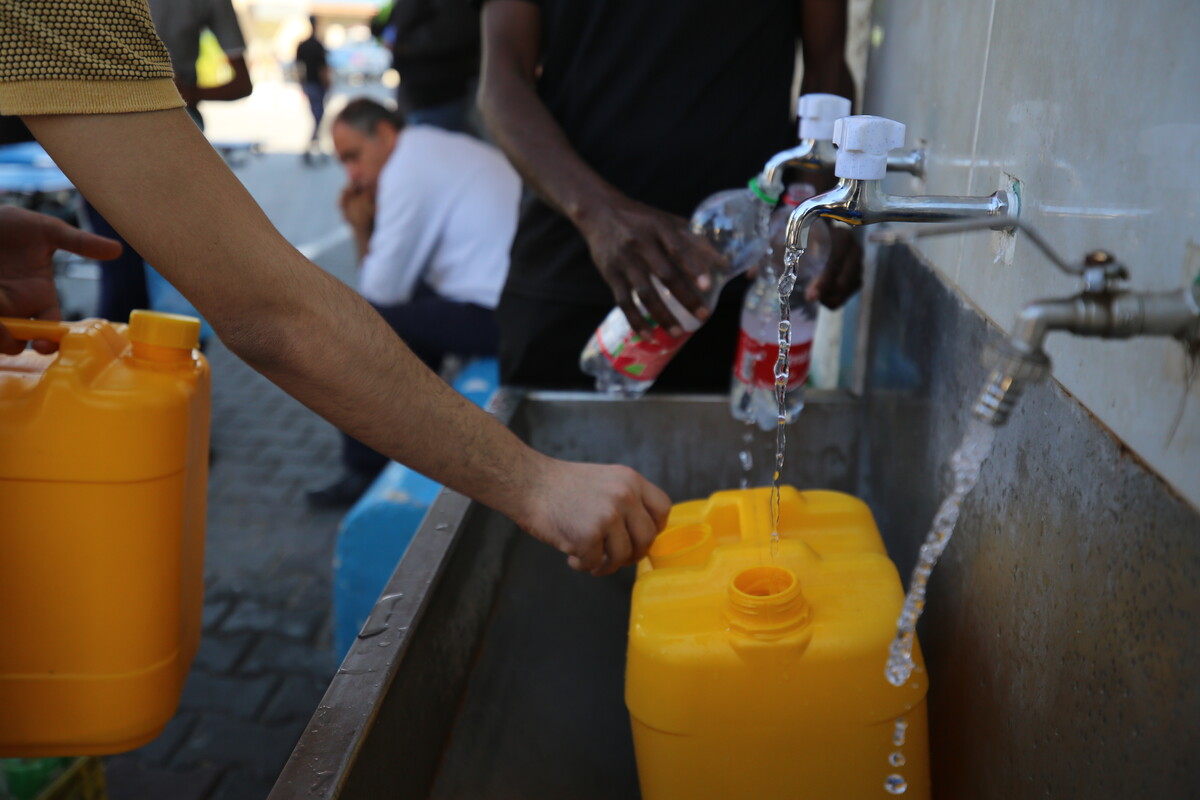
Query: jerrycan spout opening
[[767, 600], [682, 545]]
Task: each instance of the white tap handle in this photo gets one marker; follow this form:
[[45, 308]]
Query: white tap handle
[[863, 144], [817, 113]]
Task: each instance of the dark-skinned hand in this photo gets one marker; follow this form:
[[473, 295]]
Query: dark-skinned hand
[[630, 242]]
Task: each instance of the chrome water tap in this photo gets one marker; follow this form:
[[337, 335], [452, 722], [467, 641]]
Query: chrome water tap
[[1105, 309], [816, 151], [862, 161]]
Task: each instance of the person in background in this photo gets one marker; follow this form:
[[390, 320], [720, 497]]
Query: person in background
[[94, 85], [179, 23], [435, 49], [312, 67], [433, 215], [620, 143]]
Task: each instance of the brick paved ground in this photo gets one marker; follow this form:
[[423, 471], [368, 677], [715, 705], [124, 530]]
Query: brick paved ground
[[265, 656]]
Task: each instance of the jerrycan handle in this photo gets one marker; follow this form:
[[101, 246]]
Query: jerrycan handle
[[28, 329], [155, 336]]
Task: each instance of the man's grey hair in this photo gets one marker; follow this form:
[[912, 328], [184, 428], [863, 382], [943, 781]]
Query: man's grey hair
[[364, 114]]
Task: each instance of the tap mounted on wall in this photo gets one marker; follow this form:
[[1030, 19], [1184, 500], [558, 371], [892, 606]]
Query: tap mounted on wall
[[816, 150], [862, 161], [1105, 309]]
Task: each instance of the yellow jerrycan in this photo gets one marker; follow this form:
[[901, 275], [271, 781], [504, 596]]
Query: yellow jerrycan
[[754, 674], [103, 474]]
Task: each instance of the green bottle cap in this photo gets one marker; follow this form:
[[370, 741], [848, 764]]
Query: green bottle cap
[[760, 194]]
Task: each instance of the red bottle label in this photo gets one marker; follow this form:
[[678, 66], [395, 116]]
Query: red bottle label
[[641, 358], [754, 363]]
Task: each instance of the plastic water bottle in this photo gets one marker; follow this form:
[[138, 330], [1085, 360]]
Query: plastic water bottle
[[626, 363], [752, 386]]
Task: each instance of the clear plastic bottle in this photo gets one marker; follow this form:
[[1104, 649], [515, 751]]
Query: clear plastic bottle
[[752, 386], [625, 363]]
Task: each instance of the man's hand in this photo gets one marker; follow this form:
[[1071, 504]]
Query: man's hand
[[842, 276], [601, 517], [631, 241], [27, 244], [358, 208]]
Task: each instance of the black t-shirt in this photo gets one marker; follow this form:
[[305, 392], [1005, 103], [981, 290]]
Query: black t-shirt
[[310, 58], [436, 51], [668, 100]]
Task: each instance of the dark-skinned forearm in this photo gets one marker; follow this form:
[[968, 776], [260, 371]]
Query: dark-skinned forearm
[[531, 138]]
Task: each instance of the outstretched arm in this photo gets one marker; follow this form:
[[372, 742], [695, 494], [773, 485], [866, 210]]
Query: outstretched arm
[[157, 180], [629, 241]]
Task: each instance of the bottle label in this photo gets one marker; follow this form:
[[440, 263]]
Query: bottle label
[[634, 356], [754, 363]]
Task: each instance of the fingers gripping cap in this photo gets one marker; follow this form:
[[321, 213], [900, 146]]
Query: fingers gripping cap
[[818, 112], [863, 144]]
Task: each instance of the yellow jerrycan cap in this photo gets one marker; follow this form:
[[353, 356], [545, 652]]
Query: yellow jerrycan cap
[[150, 330]]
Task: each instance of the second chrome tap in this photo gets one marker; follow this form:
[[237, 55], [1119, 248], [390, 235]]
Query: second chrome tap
[[862, 162]]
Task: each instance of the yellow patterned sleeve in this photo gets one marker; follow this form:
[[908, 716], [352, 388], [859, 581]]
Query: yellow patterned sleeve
[[82, 57]]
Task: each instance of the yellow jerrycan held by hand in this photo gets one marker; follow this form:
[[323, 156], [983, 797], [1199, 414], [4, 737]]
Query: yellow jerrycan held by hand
[[760, 674], [103, 474]]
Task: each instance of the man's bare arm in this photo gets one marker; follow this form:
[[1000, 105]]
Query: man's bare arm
[[629, 241], [823, 41], [157, 180], [235, 88]]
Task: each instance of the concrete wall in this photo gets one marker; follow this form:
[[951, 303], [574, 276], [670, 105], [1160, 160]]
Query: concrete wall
[[1091, 105], [1060, 629]]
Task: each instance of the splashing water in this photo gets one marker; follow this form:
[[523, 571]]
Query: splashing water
[[787, 282], [747, 460], [899, 731], [745, 457], [966, 462], [895, 783]]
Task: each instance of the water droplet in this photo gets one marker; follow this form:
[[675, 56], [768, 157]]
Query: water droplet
[[896, 759], [898, 733], [895, 784], [746, 459]]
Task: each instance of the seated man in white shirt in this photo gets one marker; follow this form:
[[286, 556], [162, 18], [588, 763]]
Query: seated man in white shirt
[[433, 215]]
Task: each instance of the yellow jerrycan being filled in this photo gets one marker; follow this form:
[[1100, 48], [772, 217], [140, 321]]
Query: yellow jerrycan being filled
[[754, 674], [103, 473]]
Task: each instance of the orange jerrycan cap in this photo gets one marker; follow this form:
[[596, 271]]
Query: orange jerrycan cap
[[767, 601], [157, 336]]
